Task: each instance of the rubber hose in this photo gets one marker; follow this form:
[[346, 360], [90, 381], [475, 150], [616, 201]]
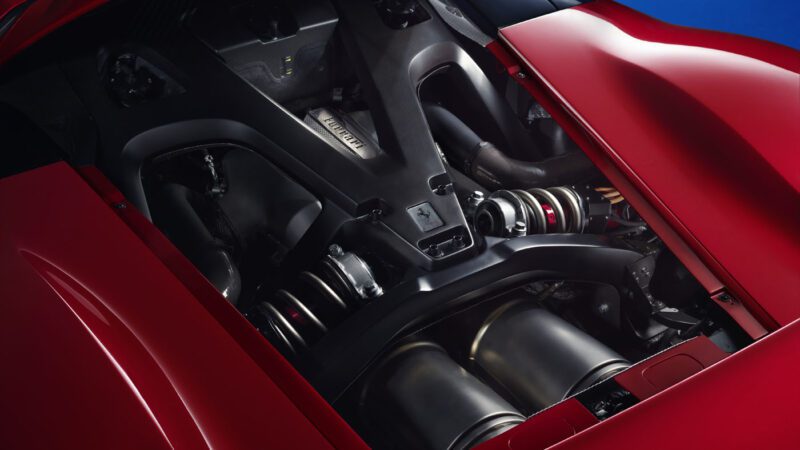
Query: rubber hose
[[175, 214], [491, 167]]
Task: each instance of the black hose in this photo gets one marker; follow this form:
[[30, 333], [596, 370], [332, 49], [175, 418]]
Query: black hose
[[627, 223], [175, 212], [491, 167], [451, 133]]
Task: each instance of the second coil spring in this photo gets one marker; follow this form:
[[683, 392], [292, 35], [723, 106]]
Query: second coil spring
[[561, 209], [300, 315]]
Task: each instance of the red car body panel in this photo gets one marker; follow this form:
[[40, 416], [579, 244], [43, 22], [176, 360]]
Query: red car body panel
[[116, 341], [704, 125], [37, 19], [644, 380], [111, 350], [746, 401]]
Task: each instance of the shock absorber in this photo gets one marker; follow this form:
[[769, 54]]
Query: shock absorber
[[295, 317], [561, 209]]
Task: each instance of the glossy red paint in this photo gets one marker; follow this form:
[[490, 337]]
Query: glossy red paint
[[746, 401], [104, 347], [743, 316], [604, 163], [549, 427], [670, 367], [698, 129], [643, 380], [39, 18]]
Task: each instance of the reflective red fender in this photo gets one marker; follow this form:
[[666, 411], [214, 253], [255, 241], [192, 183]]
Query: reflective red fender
[[698, 129]]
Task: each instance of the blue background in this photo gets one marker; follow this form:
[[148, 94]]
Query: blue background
[[773, 20]]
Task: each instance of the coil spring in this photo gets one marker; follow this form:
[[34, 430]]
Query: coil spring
[[318, 299], [561, 209]]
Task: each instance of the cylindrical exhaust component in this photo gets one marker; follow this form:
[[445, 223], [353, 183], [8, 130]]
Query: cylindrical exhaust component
[[423, 399], [538, 358]]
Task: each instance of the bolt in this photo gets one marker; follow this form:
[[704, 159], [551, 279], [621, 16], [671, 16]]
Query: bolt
[[458, 241], [434, 250], [373, 290], [335, 251], [475, 198], [120, 205], [519, 229], [725, 298], [440, 189], [375, 215], [521, 75]]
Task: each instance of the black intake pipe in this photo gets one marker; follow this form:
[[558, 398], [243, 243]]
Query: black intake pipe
[[491, 167], [175, 212]]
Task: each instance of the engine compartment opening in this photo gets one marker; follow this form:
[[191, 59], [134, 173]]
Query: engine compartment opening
[[404, 223]]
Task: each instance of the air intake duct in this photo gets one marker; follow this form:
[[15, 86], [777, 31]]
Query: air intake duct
[[491, 167]]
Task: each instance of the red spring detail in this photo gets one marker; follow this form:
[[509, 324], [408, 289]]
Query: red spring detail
[[295, 316], [550, 214]]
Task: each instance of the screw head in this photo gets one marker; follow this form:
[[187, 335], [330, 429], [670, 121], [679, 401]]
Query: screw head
[[434, 250], [519, 229], [335, 251], [475, 198]]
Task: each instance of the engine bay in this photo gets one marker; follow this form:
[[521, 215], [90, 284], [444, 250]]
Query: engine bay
[[395, 214]]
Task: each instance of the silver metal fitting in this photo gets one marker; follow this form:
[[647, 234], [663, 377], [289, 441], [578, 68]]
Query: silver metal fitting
[[356, 271]]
